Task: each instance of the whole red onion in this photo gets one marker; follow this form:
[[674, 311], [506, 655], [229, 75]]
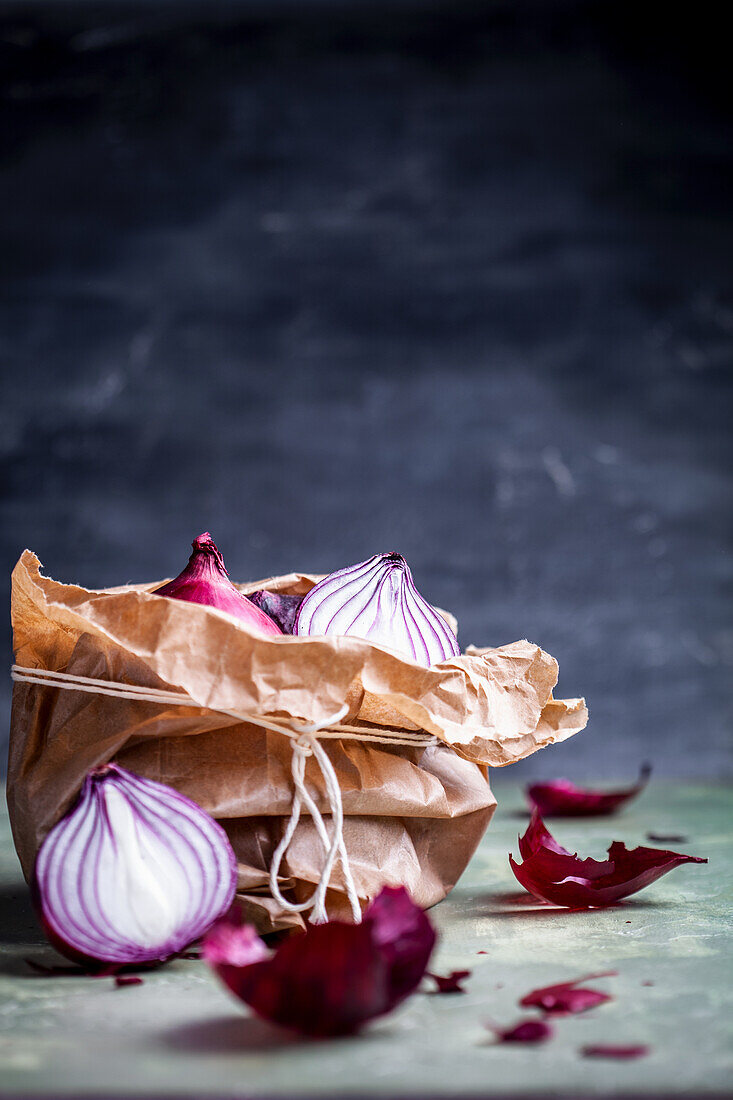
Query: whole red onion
[[205, 580]]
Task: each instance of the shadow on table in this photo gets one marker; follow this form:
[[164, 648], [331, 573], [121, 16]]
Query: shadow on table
[[238, 1034], [518, 905], [226, 1034], [18, 929], [515, 905], [17, 920]]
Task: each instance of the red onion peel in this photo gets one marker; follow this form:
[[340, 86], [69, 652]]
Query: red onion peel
[[565, 997], [561, 798], [621, 1052], [552, 874], [450, 983], [525, 1031], [336, 977]]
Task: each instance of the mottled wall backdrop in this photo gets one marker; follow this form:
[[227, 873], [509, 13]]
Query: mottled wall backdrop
[[328, 279]]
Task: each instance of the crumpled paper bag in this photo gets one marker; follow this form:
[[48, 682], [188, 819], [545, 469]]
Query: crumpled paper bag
[[413, 815]]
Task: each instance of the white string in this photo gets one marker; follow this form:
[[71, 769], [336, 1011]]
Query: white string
[[304, 741], [307, 745], [118, 690]]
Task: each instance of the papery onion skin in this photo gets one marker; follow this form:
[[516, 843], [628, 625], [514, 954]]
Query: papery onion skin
[[525, 1031], [328, 982], [624, 1053], [336, 977], [377, 600], [405, 937], [449, 983], [564, 998], [552, 874], [561, 798], [205, 580], [143, 836]]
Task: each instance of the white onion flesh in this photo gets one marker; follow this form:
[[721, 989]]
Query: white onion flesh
[[377, 600], [135, 872]]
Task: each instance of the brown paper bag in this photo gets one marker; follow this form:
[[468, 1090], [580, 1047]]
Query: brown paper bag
[[413, 815]]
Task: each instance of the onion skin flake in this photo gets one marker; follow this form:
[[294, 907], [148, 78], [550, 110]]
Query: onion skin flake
[[525, 1031], [561, 798], [554, 875], [565, 998], [334, 978], [618, 1052], [450, 983]]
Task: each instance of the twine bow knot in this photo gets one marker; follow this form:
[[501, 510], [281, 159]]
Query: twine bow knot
[[304, 746]]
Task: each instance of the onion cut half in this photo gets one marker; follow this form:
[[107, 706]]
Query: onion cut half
[[134, 873], [377, 600]]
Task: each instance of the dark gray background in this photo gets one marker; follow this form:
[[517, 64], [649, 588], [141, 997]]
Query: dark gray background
[[330, 279]]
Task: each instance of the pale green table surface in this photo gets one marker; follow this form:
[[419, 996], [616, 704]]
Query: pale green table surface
[[180, 1033]]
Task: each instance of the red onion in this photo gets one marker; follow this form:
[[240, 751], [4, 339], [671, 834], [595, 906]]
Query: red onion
[[205, 580], [133, 873], [377, 600]]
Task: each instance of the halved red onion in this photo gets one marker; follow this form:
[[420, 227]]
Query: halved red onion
[[205, 580], [134, 873], [377, 600]]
